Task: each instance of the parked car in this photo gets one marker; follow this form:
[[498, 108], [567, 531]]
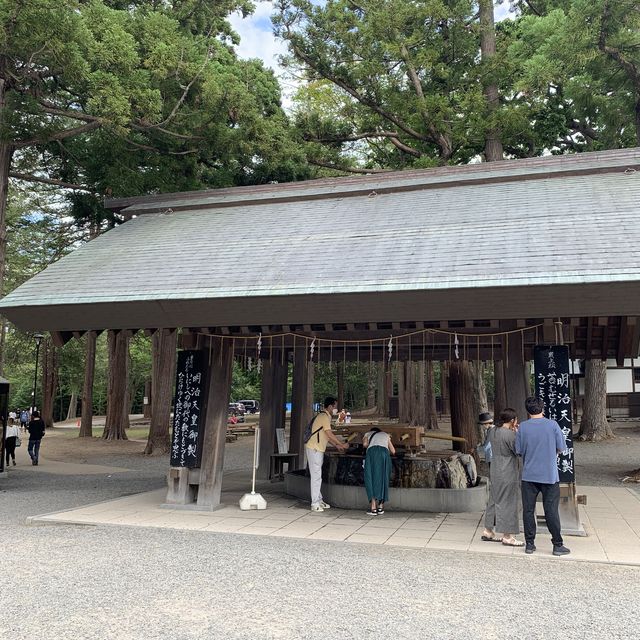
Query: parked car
[[240, 408], [235, 413], [251, 406]]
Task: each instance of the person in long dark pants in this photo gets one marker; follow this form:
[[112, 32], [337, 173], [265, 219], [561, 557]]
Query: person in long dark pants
[[10, 442], [538, 441], [36, 430]]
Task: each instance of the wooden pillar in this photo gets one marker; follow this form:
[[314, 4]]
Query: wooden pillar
[[516, 383], [272, 407], [86, 423], [215, 424], [463, 418], [301, 402], [500, 392]]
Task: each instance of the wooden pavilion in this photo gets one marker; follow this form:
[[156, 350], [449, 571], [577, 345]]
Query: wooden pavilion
[[451, 264]]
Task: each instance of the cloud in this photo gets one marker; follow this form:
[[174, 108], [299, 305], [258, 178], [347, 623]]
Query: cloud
[[256, 36], [502, 11], [257, 41]]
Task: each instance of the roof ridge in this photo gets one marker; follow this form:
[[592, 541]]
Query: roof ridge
[[393, 181]]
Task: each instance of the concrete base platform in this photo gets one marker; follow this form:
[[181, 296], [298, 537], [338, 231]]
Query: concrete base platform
[[419, 500]]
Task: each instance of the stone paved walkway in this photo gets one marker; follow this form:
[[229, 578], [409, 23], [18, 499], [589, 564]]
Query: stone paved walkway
[[611, 519]]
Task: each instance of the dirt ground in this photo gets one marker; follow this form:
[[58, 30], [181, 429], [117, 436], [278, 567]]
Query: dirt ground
[[597, 464]]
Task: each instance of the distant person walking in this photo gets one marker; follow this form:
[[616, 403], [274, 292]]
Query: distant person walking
[[10, 443], [505, 482], [24, 419], [377, 469], [538, 441], [315, 446], [36, 430]]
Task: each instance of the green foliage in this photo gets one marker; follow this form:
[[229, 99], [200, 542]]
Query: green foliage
[[391, 84], [584, 56], [245, 384], [125, 98]]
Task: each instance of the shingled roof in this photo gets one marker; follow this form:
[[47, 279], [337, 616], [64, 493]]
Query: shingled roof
[[547, 237]]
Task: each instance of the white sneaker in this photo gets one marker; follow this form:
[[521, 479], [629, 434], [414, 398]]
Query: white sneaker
[[324, 505], [317, 507]]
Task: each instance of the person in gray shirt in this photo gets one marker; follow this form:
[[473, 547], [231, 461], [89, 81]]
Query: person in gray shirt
[[538, 441]]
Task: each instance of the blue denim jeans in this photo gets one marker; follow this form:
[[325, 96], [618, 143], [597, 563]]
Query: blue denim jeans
[[34, 449]]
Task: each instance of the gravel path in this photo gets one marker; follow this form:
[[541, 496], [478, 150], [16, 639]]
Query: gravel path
[[125, 582]]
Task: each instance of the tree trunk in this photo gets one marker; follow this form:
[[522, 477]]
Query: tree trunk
[[431, 412], [388, 387], [637, 119], [3, 340], [117, 419], [594, 426], [163, 369], [371, 388], [463, 418], [402, 392], [479, 395], [49, 381], [410, 391], [147, 396], [493, 144], [73, 406], [380, 388], [340, 384], [421, 404], [444, 387], [6, 154], [500, 392], [86, 422]]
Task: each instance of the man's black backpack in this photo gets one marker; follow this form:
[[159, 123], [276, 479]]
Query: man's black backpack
[[309, 432]]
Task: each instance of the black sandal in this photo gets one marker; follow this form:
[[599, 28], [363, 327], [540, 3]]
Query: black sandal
[[381, 508]]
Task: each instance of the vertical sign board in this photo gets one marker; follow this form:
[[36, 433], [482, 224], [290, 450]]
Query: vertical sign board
[[551, 365], [189, 398]]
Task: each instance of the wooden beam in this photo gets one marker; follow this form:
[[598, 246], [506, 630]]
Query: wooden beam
[[60, 338], [78, 334], [189, 340], [149, 332]]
